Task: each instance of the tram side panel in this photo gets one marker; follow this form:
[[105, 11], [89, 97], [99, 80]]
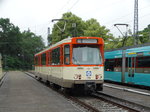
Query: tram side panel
[[44, 73], [36, 71], [55, 75]]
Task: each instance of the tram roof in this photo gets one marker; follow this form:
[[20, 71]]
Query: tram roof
[[67, 40], [130, 52], [58, 43]]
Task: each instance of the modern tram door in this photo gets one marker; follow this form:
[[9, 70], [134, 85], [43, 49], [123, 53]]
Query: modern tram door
[[131, 66]]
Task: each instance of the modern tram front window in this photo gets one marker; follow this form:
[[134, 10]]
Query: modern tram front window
[[87, 55]]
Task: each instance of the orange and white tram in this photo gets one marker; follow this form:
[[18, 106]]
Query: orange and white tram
[[73, 63]]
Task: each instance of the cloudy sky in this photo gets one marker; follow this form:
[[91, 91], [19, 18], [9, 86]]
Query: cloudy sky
[[37, 14]]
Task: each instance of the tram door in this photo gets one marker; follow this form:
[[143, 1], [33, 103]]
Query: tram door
[[131, 68]]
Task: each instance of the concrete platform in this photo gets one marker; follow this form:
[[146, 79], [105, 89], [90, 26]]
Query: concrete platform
[[21, 93], [137, 98]]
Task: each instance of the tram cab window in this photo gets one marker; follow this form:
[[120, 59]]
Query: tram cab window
[[87, 55], [67, 55]]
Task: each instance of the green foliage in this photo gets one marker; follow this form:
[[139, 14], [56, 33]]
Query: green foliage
[[18, 48], [12, 63], [94, 29], [69, 30], [31, 45], [10, 37], [113, 43], [90, 28], [145, 35]]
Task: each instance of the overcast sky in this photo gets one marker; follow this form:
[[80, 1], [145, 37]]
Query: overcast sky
[[37, 14]]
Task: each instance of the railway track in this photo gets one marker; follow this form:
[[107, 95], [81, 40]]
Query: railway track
[[101, 105], [1, 80], [131, 106], [97, 102]]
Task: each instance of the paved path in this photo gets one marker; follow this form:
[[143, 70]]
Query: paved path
[[21, 93]]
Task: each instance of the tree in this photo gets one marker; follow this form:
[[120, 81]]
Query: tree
[[94, 29], [18, 48], [145, 35], [77, 27], [31, 44], [10, 37], [69, 30]]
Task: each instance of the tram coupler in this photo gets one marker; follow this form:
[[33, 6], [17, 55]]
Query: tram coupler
[[90, 86]]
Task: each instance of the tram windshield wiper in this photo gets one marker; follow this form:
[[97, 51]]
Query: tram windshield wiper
[[76, 61]]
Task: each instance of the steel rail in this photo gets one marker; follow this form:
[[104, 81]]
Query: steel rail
[[2, 79], [114, 103], [131, 106]]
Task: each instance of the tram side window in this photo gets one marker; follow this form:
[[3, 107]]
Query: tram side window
[[118, 62], [44, 59], [109, 64], [56, 56], [67, 55], [143, 61], [49, 58]]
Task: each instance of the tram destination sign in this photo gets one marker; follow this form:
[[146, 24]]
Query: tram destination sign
[[132, 53], [136, 53], [87, 41], [140, 53]]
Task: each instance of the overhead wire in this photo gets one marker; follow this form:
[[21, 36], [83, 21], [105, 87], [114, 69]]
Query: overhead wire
[[62, 7], [126, 15], [74, 4]]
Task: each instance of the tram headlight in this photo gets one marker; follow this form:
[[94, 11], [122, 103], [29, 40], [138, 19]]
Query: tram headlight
[[98, 76], [77, 76]]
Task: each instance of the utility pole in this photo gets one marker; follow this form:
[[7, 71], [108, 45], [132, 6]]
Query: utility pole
[[123, 50], [48, 30], [135, 30], [48, 34], [124, 36], [74, 25]]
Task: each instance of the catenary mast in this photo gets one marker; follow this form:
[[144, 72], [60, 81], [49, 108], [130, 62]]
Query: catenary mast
[[135, 30]]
